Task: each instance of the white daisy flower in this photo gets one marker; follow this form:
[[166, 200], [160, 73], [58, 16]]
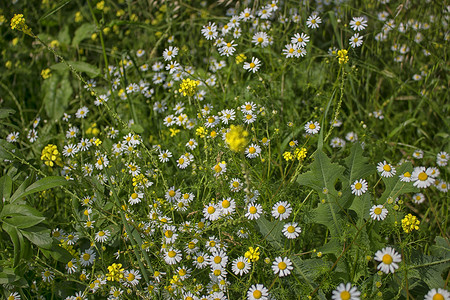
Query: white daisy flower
[[312, 127], [418, 198], [359, 187], [211, 212], [252, 66], [282, 266], [422, 177], [437, 294], [378, 212], [131, 278], [240, 266], [291, 230], [281, 210], [358, 23], [102, 236], [253, 151], [254, 211], [172, 256], [388, 259], [345, 292], [257, 292], [87, 258], [386, 170]]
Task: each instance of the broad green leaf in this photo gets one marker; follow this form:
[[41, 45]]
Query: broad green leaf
[[58, 253], [394, 187], [323, 176], [80, 66], [5, 112], [5, 149], [21, 222], [64, 36], [5, 187], [441, 248], [271, 231], [430, 269], [14, 235], [41, 185], [57, 92], [7, 275], [38, 235], [361, 205], [356, 163], [83, 32], [137, 128], [15, 209], [21, 189]]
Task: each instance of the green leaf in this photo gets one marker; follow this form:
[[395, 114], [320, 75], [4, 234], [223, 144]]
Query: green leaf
[[40, 185], [23, 221], [58, 253], [80, 66], [357, 164], [271, 231], [7, 275], [5, 187], [5, 112], [361, 205], [137, 128], [22, 187], [83, 32], [64, 36], [5, 148], [14, 209], [441, 248], [57, 92], [395, 187], [55, 9], [14, 235], [324, 175], [38, 235], [429, 269]]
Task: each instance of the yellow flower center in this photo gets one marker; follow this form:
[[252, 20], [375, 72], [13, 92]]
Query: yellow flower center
[[345, 295], [438, 296], [182, 272], [130, 277], [387, 259], [312, 126], [200, 259], [252, 65], [423, 176], [225, 203], [218, 169], [357, 23], [407, 174], [387, 168], [260, 40], [252, 210], [172, 193], [168, 234], [169, 53], [217, 259], [235, 184], [70, 264], [191, 245], [172, 254], [377, 211], [240, 265], [217, 272], [211, 210], [281, 209], [134, 196], [86, 256], [358, 186], [101, 233], [181, 161], [282, 265], [252, 150], [257, 294], [291, 229]]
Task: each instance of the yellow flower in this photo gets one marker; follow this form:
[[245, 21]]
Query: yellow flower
[[78, 17], [252, 254], [18, 23], [342, 56], [100, 5], [189, 87], [300, 153], [173, 131], [46, 73], [240, 58], [410, 223], [236, 138], [50, 155], [201, 132], [115, 272], [288, 156]]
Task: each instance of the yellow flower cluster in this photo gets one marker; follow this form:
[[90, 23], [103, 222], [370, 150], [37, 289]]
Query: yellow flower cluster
[[342, 56], [236, 138], [51, 156], [252, 254], [46, 73], [410, 223], [188, 87], [115, 272], [240, 58], [288, 156], [300, 153], [18, 22], [201, 132]]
